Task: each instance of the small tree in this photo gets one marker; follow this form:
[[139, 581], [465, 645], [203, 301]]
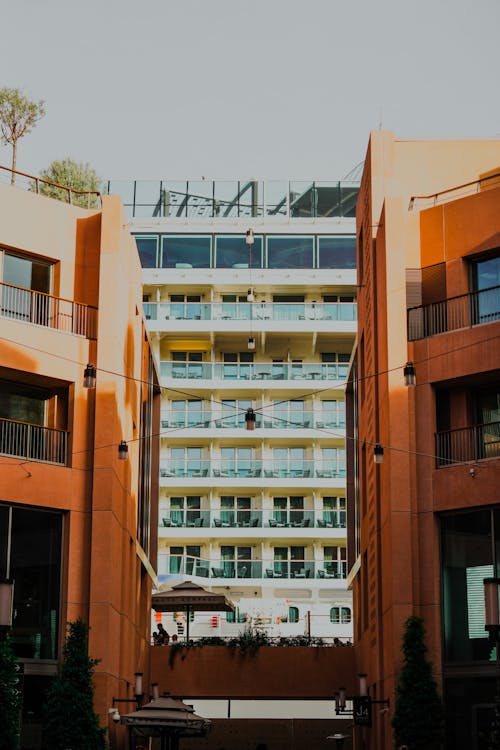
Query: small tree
[[70, 721], [418, 717], [71, 174], [18, 117], [10, 697]]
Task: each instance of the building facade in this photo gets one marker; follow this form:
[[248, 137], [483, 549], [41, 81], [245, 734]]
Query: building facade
[[261, 320], [78, 526], [423, 523]]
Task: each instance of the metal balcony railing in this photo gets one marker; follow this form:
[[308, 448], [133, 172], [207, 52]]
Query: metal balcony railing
[[468, 444], [37, 308], [451, 314], [33, 442], [216, 568], [228, 311], [279, 420], [251, 518], [256, 371], [252, 468]]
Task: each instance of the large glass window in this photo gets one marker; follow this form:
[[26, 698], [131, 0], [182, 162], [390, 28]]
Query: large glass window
[[186, 251], [232, 251], [26, 272], [470, 544], [337, 251], [32, 549], [288, 251], [148, 250]]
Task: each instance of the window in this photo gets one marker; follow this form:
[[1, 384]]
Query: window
[[185, 511], [334, 512], [287, 251], [236, 462], [233, 412], [236, 561], [333, 413], [185, 306], [186, 462], [289, 562], [186, 251], [335, 561], [186, 413], [486, 280], [33, 539], [337, 251], [237, 365], [290, 414], [187, 364], [185, 560], [288, 511], [26, 272], [293, 614], [29, 275], [332, 462], [147, 245], [340, 615], [231, 251], [235, 511], [289, 462]]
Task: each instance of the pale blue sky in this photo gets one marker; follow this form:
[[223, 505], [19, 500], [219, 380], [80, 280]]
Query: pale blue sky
[[246, 88]]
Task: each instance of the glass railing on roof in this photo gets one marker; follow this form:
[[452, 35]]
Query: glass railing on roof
[[345, 311], [230, 199]]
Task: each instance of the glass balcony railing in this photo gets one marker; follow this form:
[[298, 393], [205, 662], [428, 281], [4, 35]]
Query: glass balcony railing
[[179, 565], [257, 371], [37, 308], [33, 442], [230, 199], [252, 518], [282, 420], [220, 311], [252, 468]]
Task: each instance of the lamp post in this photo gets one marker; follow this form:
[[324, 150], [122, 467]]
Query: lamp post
[[492, 625]]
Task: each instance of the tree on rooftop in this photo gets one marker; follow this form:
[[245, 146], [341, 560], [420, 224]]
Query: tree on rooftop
[[10, 697], [18, 117], [70, 721], [418, 716], [74, 175]]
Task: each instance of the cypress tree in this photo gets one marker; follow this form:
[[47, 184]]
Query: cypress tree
[[418, 717], [10, 698], [70, 721]]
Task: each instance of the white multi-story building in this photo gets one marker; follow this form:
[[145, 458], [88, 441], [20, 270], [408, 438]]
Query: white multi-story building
[[262, 320]]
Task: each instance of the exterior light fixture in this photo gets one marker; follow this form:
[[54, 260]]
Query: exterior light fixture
[[410, 375], [491, 608], [378, 454], [138, 692], [360, 707], [363, 687], [89, 376], [251, 343], [339, 739], [123, 451], [250, 296], [249, 238], [156, 691], [6, 604], [250, 419]]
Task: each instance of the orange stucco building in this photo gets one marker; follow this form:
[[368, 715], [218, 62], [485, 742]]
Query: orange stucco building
[[424, 524], [78, 526]]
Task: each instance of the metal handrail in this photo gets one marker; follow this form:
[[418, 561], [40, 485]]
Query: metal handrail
[[33, 442], [464, 444], [69, 190]]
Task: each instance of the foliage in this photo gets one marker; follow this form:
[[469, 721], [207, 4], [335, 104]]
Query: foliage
[[18, 117], [10, 697], [418, 716], [71, 174], [70, 721]]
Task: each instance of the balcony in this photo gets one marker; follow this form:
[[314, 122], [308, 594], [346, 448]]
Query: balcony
[[266, 372], [252, 518], [37, 308], [216, 569], [290, 420], [251, 469], [33, 442], [464, 311], [246, 311], [467, 444]]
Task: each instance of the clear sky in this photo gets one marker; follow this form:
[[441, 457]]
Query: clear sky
[[246, 88]]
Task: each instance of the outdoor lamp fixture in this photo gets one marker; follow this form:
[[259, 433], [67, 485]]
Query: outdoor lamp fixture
[[138, 691], [410, 374], [123, 451], [491, 608], [156, 691], [361, 710], [339, 739], [251, 343], [378, 454], [250, 296], [249, 238], [6, 605], [250, 419], [89, 376]]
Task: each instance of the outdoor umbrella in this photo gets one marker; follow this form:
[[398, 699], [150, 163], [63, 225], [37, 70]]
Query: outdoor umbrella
[[167, 718], [190, 597]]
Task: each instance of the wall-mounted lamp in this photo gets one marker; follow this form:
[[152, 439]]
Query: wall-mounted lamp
[[251, 343], [138, 691], [250, 419], [378, 454], [156, 691], [250, 296], [361, 710], [123, 451], [339, 739], [89, 376], [410, 375], [491, 608], [249, 237]]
